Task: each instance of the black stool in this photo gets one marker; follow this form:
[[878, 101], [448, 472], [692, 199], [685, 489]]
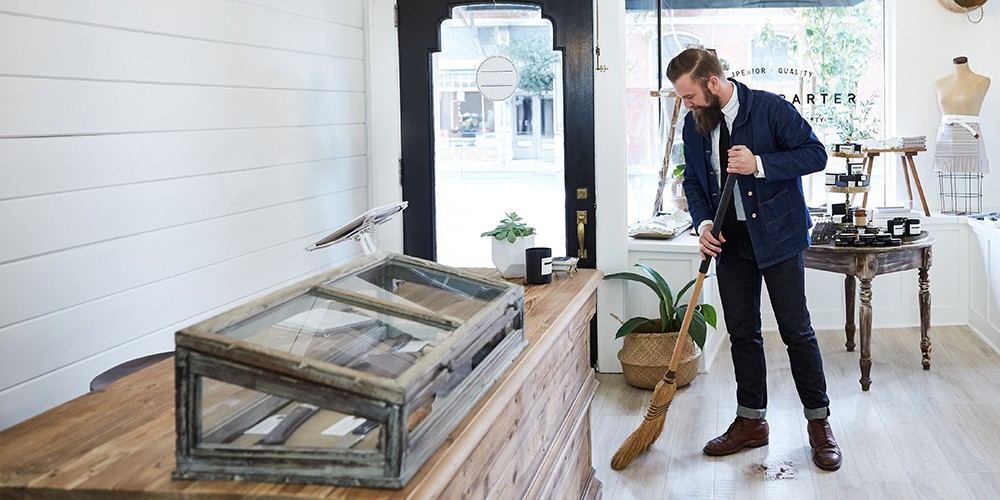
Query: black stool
[[127, 368]]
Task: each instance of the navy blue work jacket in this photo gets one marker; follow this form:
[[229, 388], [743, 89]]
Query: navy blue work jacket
[[777, 216]]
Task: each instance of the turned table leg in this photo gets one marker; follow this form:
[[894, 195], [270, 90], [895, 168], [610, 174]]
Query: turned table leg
[[850, 290], [925, 317], [866, 333]]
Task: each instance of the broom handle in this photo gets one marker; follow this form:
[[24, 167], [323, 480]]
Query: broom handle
[[720, 214], [678, 347]]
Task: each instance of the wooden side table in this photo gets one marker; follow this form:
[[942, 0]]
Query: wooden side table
[[906, 159], [865, 263]]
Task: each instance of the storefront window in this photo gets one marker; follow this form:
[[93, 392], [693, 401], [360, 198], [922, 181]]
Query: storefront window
[[827, 60]]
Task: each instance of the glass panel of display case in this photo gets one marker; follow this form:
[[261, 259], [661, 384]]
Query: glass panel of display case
[[422, 288], [447, 394], [235, 417], [328, 330]]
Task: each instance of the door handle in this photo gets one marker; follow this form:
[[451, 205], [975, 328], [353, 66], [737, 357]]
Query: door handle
[[581, 223]]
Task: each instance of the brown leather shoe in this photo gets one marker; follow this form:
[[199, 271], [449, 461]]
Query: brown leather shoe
[[826, 453], [743, 433]]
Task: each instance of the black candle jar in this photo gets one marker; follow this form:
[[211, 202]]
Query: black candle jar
[[897, 226], [538, 265]]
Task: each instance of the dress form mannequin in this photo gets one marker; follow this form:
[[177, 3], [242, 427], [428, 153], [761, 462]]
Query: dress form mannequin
[[962, 92], [960, 153]]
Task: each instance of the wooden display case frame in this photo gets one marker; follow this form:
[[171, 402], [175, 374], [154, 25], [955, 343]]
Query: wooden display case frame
[[393, 403]]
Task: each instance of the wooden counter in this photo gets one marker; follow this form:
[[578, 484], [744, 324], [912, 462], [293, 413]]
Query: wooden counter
[[529, 437]]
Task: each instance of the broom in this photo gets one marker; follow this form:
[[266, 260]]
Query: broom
[[651, 427]]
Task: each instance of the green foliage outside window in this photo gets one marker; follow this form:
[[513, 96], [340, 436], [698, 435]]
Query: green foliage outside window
[[837, 44], [534, 59]]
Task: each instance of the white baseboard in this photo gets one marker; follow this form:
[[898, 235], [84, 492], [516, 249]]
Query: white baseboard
[[989, 333]]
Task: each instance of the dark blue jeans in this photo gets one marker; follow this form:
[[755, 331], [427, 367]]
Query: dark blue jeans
[[739, 288]]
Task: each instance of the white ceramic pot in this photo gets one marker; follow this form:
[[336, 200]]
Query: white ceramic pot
[[509, 257]]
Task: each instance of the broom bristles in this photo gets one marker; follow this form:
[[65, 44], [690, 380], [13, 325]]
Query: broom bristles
[[651, 427]]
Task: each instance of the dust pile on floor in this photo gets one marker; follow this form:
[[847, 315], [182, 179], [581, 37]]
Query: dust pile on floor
[[772, 469]]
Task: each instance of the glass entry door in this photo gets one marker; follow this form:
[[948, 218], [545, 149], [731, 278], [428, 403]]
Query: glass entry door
[[489, 155], [469, 156]]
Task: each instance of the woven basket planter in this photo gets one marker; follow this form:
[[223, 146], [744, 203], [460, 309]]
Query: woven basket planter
[[646, 356]]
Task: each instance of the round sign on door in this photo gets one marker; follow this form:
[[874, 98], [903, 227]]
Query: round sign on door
[[496, 78]]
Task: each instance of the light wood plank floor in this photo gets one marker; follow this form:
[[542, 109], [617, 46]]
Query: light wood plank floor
[[916, 434]]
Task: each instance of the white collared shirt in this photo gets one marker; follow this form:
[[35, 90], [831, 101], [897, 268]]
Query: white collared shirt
[[730, 110]]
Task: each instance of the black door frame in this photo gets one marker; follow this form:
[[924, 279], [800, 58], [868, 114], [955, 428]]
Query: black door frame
[[418, 34]]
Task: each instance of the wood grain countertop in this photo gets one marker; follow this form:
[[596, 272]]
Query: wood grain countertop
[[119, 442]]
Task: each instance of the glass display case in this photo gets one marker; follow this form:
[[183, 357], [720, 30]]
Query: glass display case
[[354, 377]]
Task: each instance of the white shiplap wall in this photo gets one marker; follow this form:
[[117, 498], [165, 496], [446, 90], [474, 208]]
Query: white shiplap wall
[[162, 161]]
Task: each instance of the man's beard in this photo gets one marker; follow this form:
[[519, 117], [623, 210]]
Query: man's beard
[[706, 118]]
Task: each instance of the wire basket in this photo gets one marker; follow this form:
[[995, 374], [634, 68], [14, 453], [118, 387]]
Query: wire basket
[[961, 193]]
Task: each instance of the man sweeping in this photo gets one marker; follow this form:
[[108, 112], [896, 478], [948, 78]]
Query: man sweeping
[[761, 138]]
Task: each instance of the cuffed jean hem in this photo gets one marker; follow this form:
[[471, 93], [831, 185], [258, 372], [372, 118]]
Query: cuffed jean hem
[[817, 413], [751, 413]]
